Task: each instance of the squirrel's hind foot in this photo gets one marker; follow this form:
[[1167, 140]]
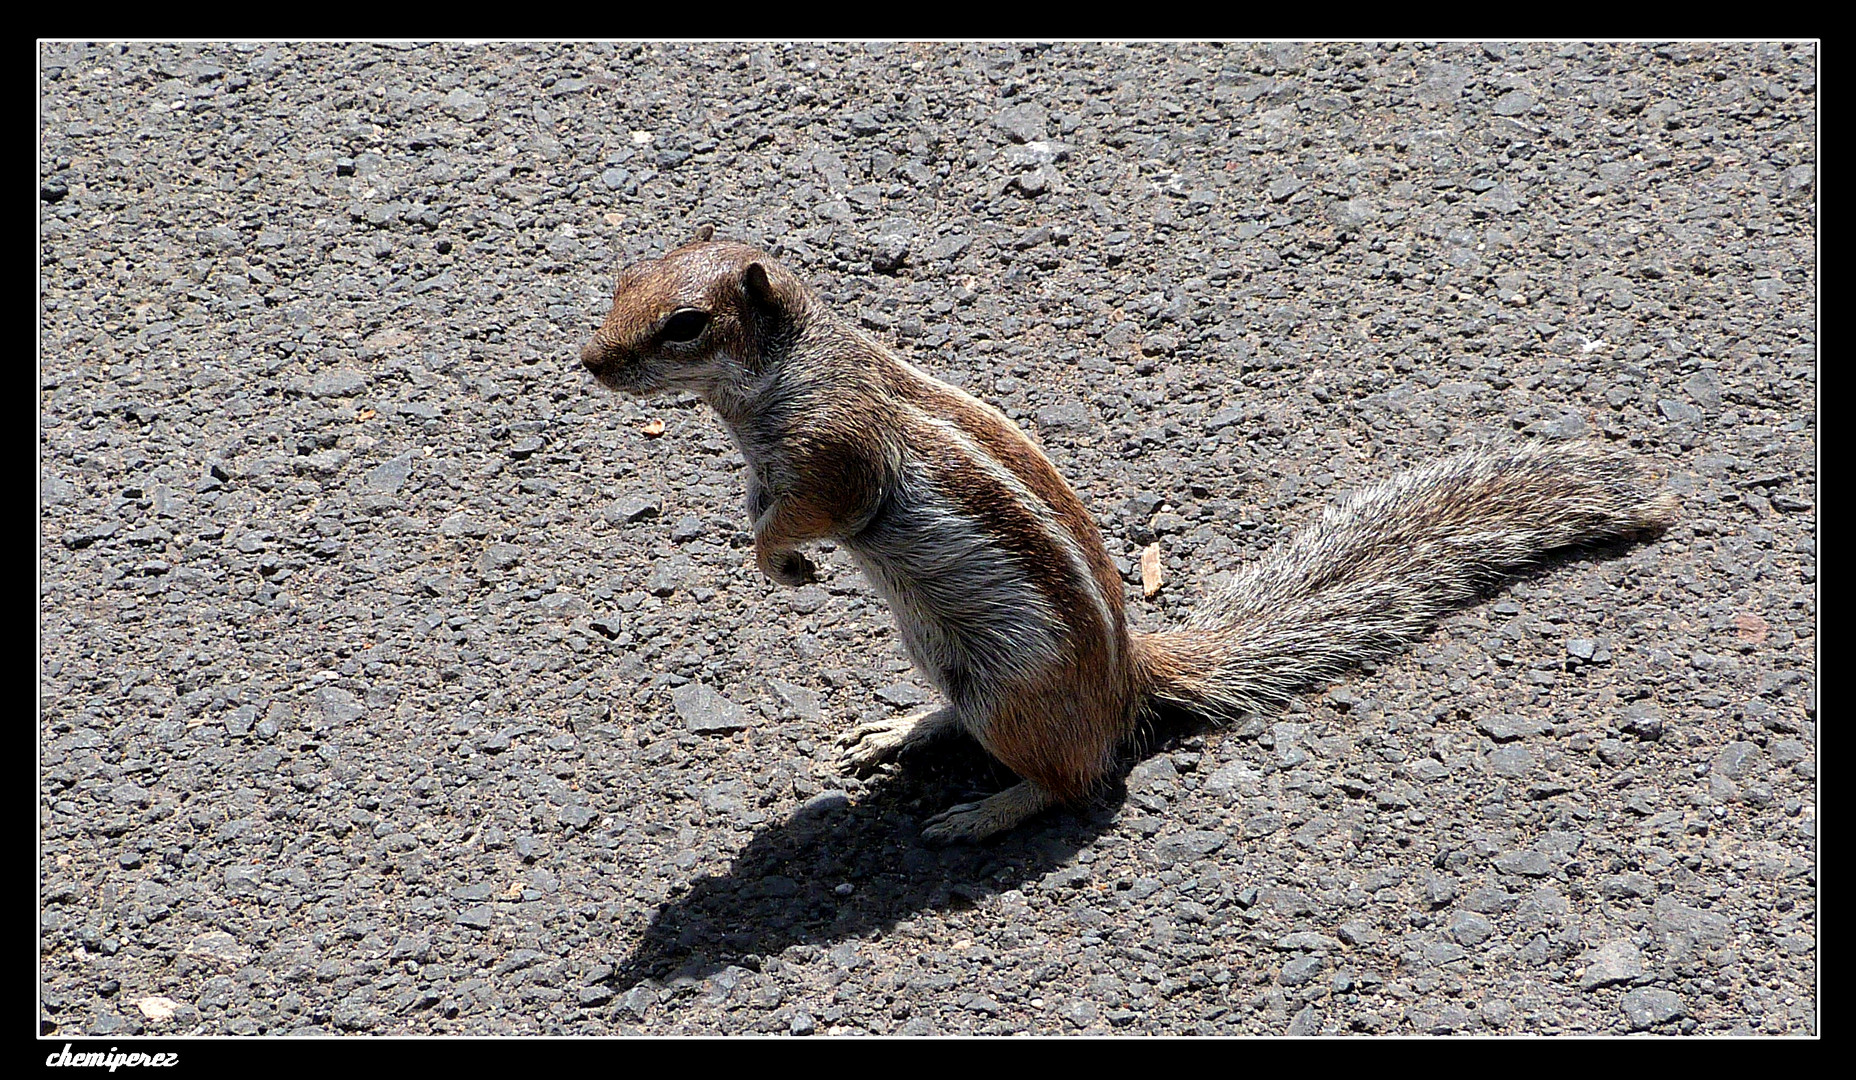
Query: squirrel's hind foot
[[869, 746], [970, 822]]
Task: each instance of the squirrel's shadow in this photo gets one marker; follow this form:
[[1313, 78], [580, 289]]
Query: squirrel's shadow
[[789, 885], [783, 889]]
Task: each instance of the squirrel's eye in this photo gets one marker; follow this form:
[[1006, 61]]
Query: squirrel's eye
[[685, 325]]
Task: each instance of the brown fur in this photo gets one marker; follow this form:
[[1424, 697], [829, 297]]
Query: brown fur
[[998, 576]]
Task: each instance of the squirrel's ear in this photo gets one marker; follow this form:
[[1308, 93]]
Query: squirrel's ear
[[761, 290], [704, 234]]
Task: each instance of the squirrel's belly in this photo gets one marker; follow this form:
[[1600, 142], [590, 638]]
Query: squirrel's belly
[[970, 617]]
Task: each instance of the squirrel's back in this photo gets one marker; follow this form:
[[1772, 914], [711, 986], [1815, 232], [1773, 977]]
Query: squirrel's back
[[1002, 588]]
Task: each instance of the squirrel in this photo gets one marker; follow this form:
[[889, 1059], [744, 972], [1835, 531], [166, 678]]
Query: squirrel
[[1005, 597]]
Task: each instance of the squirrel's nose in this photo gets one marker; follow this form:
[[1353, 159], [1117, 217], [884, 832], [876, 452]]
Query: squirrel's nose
[[592, 355]]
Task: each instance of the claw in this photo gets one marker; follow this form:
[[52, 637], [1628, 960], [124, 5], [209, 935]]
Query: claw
[[871, 745], [858, 734], [955, 824], [978, 820]]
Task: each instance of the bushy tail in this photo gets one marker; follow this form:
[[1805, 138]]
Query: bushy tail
[[1380, 567]]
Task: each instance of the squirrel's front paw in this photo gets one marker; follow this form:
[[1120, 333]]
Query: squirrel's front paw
[[792, 568]]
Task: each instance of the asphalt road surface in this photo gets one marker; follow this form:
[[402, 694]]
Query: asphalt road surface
[[396, 679]]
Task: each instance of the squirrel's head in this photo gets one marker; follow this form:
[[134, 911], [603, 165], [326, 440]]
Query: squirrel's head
[[702, 319]]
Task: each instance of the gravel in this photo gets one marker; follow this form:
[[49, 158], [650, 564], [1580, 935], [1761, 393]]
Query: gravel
[[395, 680]]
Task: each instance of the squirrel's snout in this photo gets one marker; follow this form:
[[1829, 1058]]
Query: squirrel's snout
[[615, 367], [592, 355]]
